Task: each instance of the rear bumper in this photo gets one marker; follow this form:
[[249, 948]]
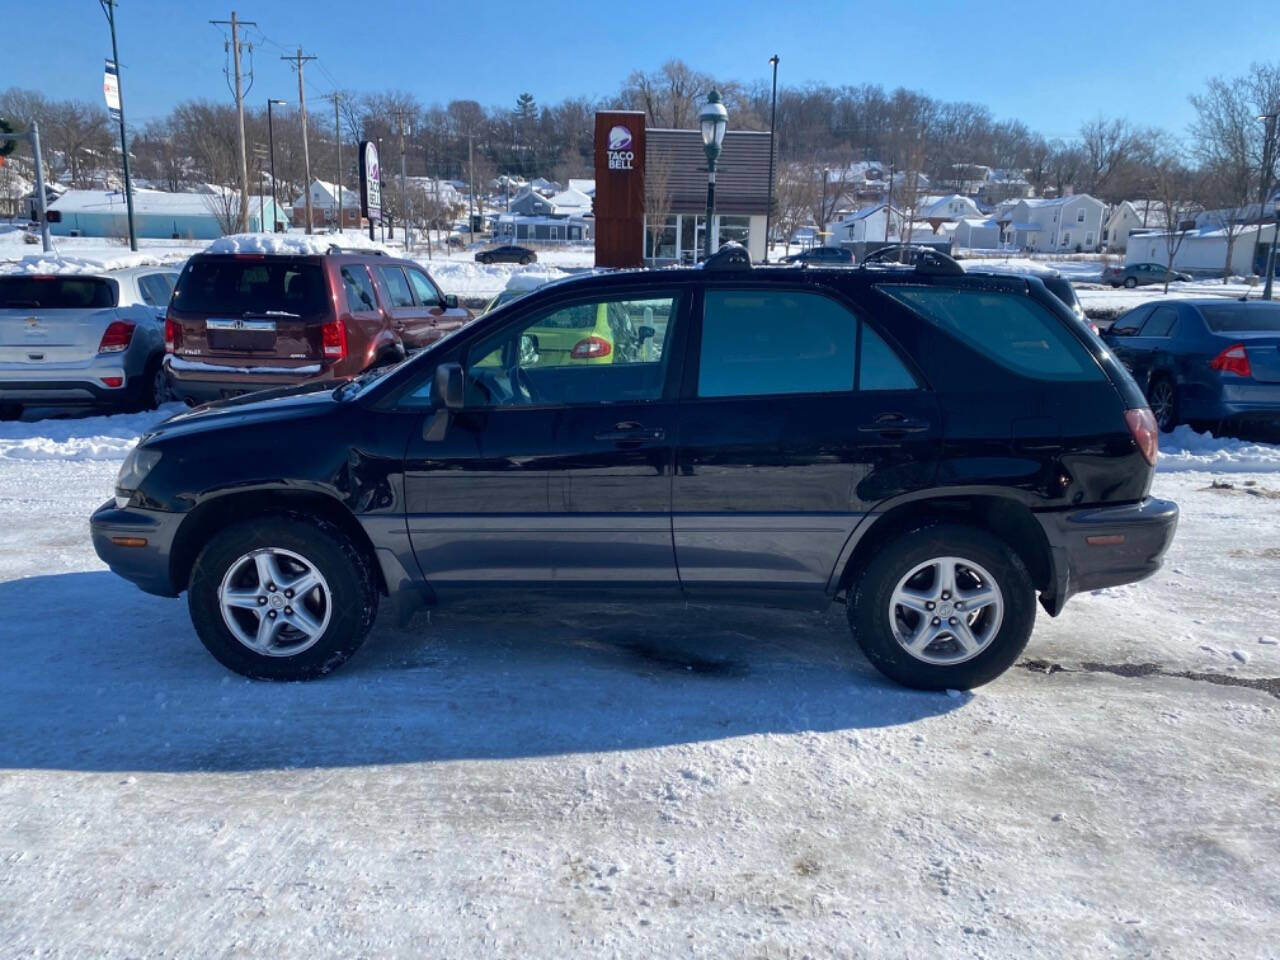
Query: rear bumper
[[146, 566], [201, 382], [47, 384], [1105, 546]]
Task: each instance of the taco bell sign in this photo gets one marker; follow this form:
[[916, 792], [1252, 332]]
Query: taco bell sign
[[620, 153], [370, 182]]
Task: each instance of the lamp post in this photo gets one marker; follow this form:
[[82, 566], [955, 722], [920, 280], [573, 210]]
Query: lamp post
[[271, 144], [822, 211], [773, 115], [109, 9], [1268, 162], [713, 119]]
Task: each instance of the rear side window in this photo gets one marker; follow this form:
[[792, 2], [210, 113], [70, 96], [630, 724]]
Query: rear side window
[[397, 286], [879, 367], [1162, 323], [1242, 318], [358, 289], [1012, 330], [233, 287], [155, 289], [761, 342], [57, 293]]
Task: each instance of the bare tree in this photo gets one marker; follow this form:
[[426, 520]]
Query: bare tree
[[1177, 189], [224, 204], [657, 198], [794, 196]]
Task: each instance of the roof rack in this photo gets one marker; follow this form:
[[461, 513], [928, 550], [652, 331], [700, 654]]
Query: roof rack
[[730, 256], [361, 251], [926, 260]]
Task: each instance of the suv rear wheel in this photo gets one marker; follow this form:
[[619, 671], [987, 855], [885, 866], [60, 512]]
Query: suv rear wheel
[[282, 597], [943, 606]]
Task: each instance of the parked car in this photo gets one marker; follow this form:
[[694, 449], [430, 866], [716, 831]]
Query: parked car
[[83, 339], [827, 256], [1203, 361], [1141, 274], [250, 321], [508, 253], [929, 448], [1054, 282], [518, 284]]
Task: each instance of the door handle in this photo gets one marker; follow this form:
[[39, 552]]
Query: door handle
[[628, 433], [894, 423]]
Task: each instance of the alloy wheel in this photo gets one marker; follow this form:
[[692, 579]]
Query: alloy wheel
[[946, 610], [1162, 404], [275, 602]]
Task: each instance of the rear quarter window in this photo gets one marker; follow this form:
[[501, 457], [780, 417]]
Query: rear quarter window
[[1010, 329]]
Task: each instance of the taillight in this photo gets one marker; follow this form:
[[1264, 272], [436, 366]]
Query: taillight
[[172, 335], [1097, 331], [1142, 424], [333, 336], [1234, 359], [591, 348], [116, 337]]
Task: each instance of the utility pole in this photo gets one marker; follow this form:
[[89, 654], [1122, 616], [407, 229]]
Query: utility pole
[[337, 136], [109, 8], [271, 143], [1268, 162], [244, 156], [404, 192], [298, 60], [33, 136], [471, 179]]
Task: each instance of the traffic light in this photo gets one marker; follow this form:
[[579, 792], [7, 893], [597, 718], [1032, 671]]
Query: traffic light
[[6, 146]]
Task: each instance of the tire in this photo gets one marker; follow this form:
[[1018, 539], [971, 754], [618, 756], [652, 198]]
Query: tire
[[339, 609], [152, 387], [1130, 283], [1162, 397], [998, 631], [525, 261]]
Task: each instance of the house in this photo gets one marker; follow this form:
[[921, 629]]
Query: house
[[571, 202], [156, 214], [998, 185], [1131, 216], [530, 203], [585, 186], [1204, 249], [563, 228], [877, 223], [946, 209], [324, 204], [1073, 222], [977, 233]]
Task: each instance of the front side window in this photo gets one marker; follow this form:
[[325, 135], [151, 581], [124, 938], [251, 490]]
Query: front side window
[[358, 288], [1130, 323], [1009, 329], [764, 342], [423, 288], [592, 352], [397, 286]]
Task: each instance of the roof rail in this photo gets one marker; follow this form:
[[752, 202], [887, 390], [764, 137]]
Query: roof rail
[[362, 251], [926, 260], [730, 256]]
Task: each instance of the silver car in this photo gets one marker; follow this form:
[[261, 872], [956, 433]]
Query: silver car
[[83, 339]]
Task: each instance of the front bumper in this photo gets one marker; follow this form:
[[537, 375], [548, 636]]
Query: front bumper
[[147, 566], [1100, 547]]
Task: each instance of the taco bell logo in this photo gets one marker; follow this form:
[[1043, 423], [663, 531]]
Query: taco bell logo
[[620, 153]]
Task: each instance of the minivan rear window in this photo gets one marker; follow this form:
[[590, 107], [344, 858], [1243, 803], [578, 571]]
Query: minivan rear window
[[1242, 318], [57, 293], [1010, 329], [234, 287]]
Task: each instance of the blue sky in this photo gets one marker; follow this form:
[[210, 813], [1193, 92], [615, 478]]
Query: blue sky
[[1029, 61]]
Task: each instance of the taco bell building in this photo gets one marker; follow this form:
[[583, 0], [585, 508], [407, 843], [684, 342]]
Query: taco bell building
[[651, 192]]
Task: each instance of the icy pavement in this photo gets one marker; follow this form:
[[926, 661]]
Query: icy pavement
[[637, 781]]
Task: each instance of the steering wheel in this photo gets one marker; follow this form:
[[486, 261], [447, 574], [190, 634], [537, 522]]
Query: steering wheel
[[522, 387]]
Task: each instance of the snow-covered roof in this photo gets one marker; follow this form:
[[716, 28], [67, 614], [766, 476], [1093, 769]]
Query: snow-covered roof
[[584, 186], [144, 201], [567, 201]]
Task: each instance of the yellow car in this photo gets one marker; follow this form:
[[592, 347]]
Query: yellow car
[[589, 333]]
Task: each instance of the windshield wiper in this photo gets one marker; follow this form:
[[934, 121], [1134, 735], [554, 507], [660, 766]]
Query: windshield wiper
[[269, 313], [341, 389]]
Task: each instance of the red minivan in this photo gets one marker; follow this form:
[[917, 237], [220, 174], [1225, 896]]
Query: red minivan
[[240, 322]]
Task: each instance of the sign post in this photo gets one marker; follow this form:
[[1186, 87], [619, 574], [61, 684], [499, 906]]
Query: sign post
[[8, 139], [111, 91], [370, 184]]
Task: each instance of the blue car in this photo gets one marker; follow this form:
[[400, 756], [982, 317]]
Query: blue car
[[1203, 361]]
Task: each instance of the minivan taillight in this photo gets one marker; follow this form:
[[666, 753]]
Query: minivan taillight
[[172, 335], [1142, 424], [333, 336], [116, 337], [1234, 359], [591, 348]]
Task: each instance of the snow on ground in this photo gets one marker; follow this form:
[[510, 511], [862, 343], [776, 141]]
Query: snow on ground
[[636, 781]]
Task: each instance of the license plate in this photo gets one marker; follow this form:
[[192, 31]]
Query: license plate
[[241, 334]]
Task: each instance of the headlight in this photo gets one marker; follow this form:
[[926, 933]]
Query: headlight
[[133, 471]]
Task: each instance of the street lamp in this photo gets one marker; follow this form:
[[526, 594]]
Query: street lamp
[[713, 119], [773, 114], [822, 211], [1268, 161], [271, 142]]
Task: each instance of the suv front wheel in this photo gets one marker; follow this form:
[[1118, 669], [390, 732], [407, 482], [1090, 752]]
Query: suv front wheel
[[282, 597], [943, 606]]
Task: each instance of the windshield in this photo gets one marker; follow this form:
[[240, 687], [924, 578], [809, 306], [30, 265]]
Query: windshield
[[1242, 318], [235, 287], [57, 293]]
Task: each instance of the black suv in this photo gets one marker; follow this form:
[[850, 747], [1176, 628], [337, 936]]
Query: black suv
[[930, 449]]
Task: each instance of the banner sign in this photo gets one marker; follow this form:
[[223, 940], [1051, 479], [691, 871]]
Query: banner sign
[[370, 181], [111, 91]]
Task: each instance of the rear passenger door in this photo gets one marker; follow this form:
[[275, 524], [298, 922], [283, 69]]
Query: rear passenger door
[[797, 416]]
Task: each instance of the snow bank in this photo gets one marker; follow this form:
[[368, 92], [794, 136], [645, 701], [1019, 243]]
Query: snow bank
[[1184, 449], [296, 244], [485, 279], [88, 438], [57, 263]]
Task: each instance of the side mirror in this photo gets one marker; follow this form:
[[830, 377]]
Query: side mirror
[[448, 389], [644, 332], [451, 301]]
